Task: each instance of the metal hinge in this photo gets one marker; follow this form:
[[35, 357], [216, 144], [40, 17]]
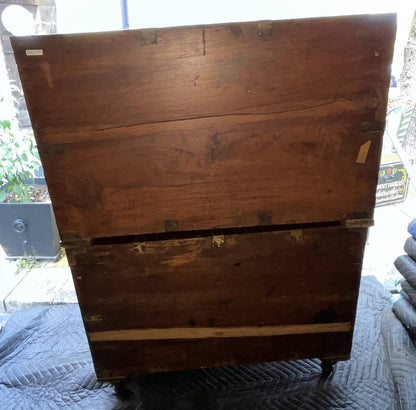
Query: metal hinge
[[358, 223]]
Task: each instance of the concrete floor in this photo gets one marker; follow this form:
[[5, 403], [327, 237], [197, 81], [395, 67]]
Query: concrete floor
[[46, 284], [51, 282]]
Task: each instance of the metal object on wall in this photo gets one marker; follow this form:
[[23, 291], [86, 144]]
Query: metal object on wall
[[29, 229]]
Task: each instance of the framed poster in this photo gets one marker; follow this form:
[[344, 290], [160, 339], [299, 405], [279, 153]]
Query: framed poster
[[393, 183]]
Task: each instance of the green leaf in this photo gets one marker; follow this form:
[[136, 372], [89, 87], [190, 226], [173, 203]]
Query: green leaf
[[25, 197], [3, 196], [19, 159], [6, 124]]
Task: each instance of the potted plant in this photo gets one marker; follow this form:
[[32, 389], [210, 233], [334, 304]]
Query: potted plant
[[27, 222]]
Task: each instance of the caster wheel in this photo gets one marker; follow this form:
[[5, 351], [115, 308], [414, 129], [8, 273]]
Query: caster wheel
[[123, 390], [327, 366]]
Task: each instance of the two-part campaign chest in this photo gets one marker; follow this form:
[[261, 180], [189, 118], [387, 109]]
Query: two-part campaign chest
[[213, 185]]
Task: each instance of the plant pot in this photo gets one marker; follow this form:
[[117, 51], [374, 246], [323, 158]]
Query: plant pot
[[29, 229]]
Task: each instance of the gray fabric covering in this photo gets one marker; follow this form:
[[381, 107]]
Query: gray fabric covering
[[405, 296], [408, 292], [406, 313], [410, 247], [45, 363], [407, 267]]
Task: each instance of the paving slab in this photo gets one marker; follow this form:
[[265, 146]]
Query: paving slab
[[9, 282], [10, 277], [66, 294], [408, 207], [39, 287], [62, 262], [385, 242]]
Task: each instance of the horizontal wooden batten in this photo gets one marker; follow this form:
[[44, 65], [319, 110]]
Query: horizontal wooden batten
[[217, 332]]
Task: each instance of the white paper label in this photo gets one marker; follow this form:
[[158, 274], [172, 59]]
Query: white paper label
[[34, 52]]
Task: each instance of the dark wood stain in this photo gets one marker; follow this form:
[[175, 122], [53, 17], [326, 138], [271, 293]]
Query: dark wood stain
[[214, 150], [236, 29], [265, 218], [171, 225]]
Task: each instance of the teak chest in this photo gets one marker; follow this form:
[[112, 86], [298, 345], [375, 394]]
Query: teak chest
[[213, 185]]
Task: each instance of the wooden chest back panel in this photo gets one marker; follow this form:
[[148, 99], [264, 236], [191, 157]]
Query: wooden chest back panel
[[196, 128], [215, 126], [260, 279]]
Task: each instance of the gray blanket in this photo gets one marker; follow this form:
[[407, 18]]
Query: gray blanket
[[407, 267], [406, 313], [410, 247], [408, 292]]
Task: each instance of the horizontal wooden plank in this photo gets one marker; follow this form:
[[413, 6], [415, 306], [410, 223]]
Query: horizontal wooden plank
[[216, 332], [116, 80], [210, 126], [258, 279], [118, 359], [223, 178]]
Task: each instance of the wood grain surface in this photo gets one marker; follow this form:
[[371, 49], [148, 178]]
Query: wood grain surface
[[213, 130], [210, 126], [115, 360], [177, 333], [261, 279]]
